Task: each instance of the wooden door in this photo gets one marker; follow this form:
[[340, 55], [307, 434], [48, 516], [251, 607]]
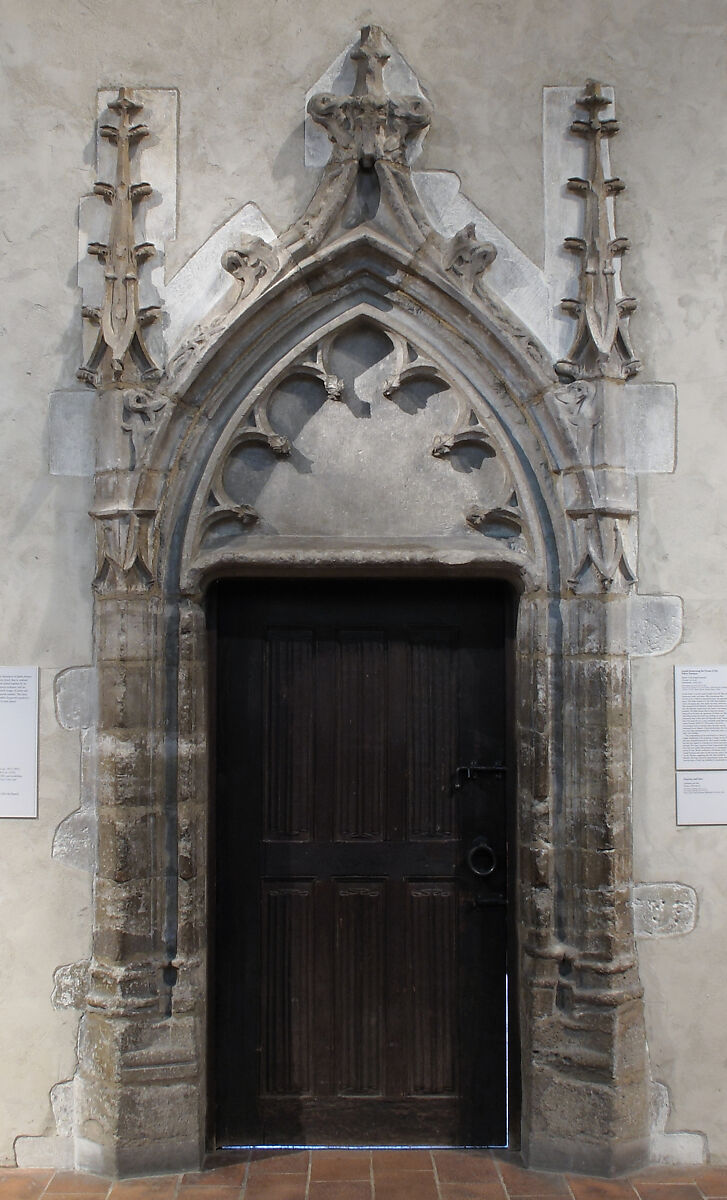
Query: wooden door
[[359, 974]]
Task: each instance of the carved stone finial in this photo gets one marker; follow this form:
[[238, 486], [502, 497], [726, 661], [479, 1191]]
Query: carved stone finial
[[249, 262], [120, 354], [371, 124], [602, 345], [467, 257], [371, 56]]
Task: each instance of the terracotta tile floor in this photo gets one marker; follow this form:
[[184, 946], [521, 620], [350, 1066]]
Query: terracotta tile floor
[[370, 1175]]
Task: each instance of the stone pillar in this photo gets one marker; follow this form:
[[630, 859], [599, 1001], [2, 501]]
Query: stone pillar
[[588, 1094], [138, 1094]]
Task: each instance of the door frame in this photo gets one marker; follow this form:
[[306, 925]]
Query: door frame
[[512, 1017], [585, 1081]]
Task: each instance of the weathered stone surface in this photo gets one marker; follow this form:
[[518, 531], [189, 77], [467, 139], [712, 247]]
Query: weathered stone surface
[[76, 697], [664, 909], [72, 433], [70, 985]]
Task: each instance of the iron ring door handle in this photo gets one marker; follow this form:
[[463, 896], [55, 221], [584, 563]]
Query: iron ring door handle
[[481, 846]]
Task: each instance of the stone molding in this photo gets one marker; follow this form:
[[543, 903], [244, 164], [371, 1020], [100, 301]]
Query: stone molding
[[364, 259]]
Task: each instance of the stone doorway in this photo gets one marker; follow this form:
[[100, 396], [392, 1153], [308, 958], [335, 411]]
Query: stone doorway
[[366, 405]]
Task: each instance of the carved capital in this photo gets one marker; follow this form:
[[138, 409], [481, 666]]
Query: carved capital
[[124, 551], [604, 555]]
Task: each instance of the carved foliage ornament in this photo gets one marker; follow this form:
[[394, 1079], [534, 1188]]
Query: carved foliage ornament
[[371, 124], [250, 261], [602, 344], [467, 257], [603, 525], [605, 559], [120, 353], [370, 129], [372, 133], [366, 182]]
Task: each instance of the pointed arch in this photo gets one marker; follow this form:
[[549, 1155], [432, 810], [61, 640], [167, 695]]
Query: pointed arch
[[495, 371]]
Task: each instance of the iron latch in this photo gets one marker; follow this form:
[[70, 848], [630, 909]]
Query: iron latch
[[463, 775]]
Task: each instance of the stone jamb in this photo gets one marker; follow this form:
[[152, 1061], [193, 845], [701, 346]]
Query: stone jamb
[[143, 1047]]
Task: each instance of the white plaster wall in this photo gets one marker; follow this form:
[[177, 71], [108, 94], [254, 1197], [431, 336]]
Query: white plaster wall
[[242, 70]]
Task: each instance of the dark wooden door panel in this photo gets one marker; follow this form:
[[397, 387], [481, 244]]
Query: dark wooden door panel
[[359, 974]]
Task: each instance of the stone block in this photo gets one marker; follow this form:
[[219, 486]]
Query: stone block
[[650, 432], [125, 695], [655, 624], [615, 490], [70, 985], [123, 919], [124, 768], [535, 865], [664, 909], [671, 1148], [72, 432], [53, 1152], [125, 629], [125, 845], [76, 697]]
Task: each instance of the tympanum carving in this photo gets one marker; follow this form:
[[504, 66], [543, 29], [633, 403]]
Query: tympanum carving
[[503, 522], [226, 510], [467, 431]]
